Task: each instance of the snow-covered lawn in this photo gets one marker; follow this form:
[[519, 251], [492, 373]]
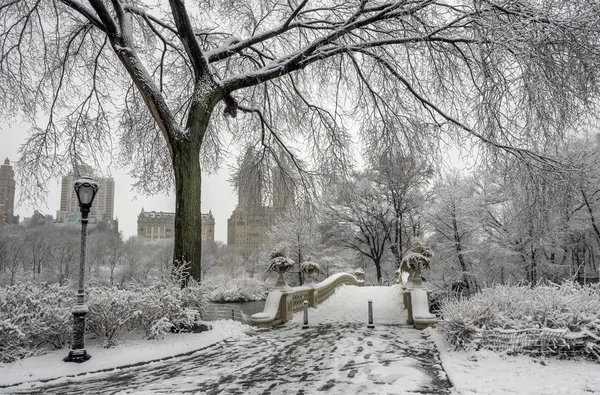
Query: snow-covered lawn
[[489, 373], [129, 352]]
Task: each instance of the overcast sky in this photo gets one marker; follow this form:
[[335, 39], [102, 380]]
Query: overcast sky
[[217, 193]]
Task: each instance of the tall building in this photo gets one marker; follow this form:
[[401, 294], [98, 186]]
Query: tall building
[[7, 194], [103, 208], [251, 220], [284, 194], [160, 225], [248, 226]]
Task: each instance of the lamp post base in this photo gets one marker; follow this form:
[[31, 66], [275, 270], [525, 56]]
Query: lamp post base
[[78, 356]]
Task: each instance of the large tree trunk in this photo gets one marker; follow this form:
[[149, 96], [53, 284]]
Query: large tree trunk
[[468, 281], [396, 244], [378, 269], [188, 217]]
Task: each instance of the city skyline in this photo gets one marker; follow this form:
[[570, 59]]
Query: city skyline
[[218, 195]]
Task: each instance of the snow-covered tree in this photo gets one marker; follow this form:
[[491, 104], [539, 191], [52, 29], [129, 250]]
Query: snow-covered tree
[[402, 179], [37, 245], [359, 217], [13, 255], [453, 215], [298, 71], [63, 251], [297, 228]]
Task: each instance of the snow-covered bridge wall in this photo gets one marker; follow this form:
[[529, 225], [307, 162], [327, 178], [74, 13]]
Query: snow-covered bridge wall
[[281, 304]]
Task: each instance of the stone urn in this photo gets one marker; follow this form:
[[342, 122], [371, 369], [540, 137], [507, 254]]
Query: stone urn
[[359, 274], [414, 262], [310, 268], [280, 264], [399, 273]]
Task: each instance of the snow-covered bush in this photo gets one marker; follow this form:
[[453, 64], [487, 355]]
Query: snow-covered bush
[[33, 316], [155, 308], [109, 310], [164, 306], [13, 341], [569, 307], [230, 281], [240, 289]]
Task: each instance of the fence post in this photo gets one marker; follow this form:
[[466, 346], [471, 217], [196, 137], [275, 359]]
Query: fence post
[[232, 314], [305, 326], [370, 324]]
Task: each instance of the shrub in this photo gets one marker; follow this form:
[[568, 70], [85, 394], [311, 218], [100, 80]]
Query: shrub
[[165, 305], [568, 309], [109, 310], [240, 289], [33, 316]]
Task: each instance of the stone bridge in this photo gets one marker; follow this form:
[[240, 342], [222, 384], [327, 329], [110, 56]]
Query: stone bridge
[[283, 302]]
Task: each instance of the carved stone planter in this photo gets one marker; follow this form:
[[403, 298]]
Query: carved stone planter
[[281, 270], [309, 268], [359, 274]]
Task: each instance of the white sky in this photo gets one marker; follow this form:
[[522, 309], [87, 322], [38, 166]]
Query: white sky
[[217, 194]]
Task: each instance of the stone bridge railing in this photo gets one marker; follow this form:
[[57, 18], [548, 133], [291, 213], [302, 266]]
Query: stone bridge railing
[[281, 304]]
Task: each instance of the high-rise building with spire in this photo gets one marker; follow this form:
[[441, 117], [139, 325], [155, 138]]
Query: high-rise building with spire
[[251, 220], [284, 192], [7, 194]]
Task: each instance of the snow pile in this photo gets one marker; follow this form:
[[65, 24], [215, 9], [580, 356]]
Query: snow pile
[[567, 314], [349, 304]]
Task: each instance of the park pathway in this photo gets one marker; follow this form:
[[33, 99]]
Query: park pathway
[[333, 358]]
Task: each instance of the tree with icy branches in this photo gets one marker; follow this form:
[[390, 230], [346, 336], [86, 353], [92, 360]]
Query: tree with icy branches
[[168, 81]]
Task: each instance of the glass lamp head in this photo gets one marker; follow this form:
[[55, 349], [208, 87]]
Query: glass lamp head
[[86, 189]]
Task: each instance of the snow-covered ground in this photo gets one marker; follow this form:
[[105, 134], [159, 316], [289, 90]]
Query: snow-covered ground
[[488, 373], [129, 352], [350, 305], [344, 354]]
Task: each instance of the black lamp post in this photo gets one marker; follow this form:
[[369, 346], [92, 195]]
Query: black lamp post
[[86, 189]]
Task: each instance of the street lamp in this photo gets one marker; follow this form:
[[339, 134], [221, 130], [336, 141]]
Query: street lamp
[[86, 189]]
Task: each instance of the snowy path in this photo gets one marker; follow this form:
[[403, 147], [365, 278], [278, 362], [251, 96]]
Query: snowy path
[[350, 305], [336, 355]]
